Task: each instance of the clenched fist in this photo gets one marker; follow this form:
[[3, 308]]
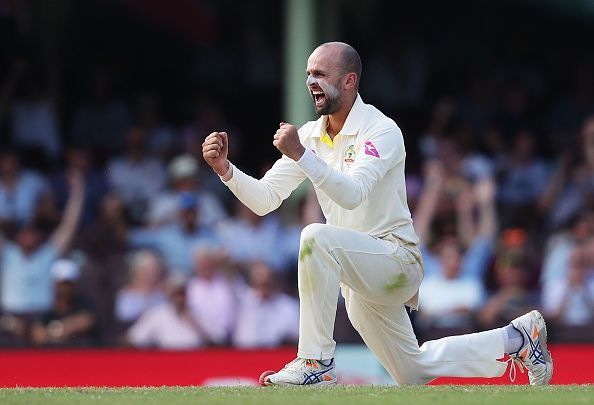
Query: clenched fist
[[214, 150], [287, 141]]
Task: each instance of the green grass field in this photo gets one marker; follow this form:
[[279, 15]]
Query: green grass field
[[343, 395]]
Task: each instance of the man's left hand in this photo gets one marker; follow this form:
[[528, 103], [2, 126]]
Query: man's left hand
[[287, 141]]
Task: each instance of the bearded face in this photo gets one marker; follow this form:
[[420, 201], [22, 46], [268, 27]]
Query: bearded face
[[325, 95]]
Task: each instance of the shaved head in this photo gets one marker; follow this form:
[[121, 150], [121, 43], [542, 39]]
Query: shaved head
[[348, 60]]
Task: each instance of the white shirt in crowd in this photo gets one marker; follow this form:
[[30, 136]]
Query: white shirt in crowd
[[213, 305], [462, 293], [266, 323], [576, 303], [162, 326]]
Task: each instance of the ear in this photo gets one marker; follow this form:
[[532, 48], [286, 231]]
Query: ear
[[351, 81]]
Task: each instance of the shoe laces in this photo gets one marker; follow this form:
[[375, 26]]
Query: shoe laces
[[515, 362]]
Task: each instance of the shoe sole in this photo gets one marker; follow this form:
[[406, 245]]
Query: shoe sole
[[542, 338], [267, 383]]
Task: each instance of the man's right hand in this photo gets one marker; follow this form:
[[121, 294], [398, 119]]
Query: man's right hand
[[214, 151]]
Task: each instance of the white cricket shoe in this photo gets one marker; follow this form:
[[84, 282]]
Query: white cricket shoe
[[302, 372], [533, 354]]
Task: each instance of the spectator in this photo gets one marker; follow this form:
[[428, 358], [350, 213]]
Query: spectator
[[144, 289], [210, 295], [559, 246], [512, 298], [570, 300], [104, 245], [176, 242], [19, 191], [461, 258], [25, 268], [464, 295], [71, 320], [136, 176], [170, 325], [249, 238], [266, 317], [183, 177]]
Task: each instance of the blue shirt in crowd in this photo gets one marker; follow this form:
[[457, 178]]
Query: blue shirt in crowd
[[26, 281]]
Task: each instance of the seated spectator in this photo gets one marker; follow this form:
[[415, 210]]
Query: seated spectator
[[570, 300], [169, 325], [104, 245], [183, 177], [559, 246], [449, 299], [211, 295], [267, 317], [70, 321], [19, 191], [511, 298], [144, 289], [136, 176], [176, 241], [25, 279], [249, 238]]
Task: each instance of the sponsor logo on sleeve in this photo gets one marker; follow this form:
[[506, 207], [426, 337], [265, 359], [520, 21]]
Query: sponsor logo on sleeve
[[370, 149]]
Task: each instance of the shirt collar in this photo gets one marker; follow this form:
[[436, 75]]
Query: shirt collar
[[352, 124]]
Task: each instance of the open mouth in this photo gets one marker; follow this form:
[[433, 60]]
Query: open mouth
[[318, 96]]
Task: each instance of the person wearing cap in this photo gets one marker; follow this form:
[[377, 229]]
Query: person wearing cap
[[71, 320], [176, 241], [183, 174]]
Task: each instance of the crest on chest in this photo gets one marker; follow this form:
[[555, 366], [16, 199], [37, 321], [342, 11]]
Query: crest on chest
[[349, 155]]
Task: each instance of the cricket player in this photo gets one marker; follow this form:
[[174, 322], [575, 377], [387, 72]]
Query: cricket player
[[354, 156]]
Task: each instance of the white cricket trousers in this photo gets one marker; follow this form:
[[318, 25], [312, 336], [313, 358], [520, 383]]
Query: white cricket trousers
[[378, 277]]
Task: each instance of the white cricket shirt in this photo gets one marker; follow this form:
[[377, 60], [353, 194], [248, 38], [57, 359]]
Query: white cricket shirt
[[358, 178]]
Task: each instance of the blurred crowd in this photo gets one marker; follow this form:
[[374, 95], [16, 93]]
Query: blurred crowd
[[112, 231]]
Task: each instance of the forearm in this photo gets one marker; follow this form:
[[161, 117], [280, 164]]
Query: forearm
[[78, 323], [487, 224], [65, 231], [465, 227], [264, 195], [426, 209]]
